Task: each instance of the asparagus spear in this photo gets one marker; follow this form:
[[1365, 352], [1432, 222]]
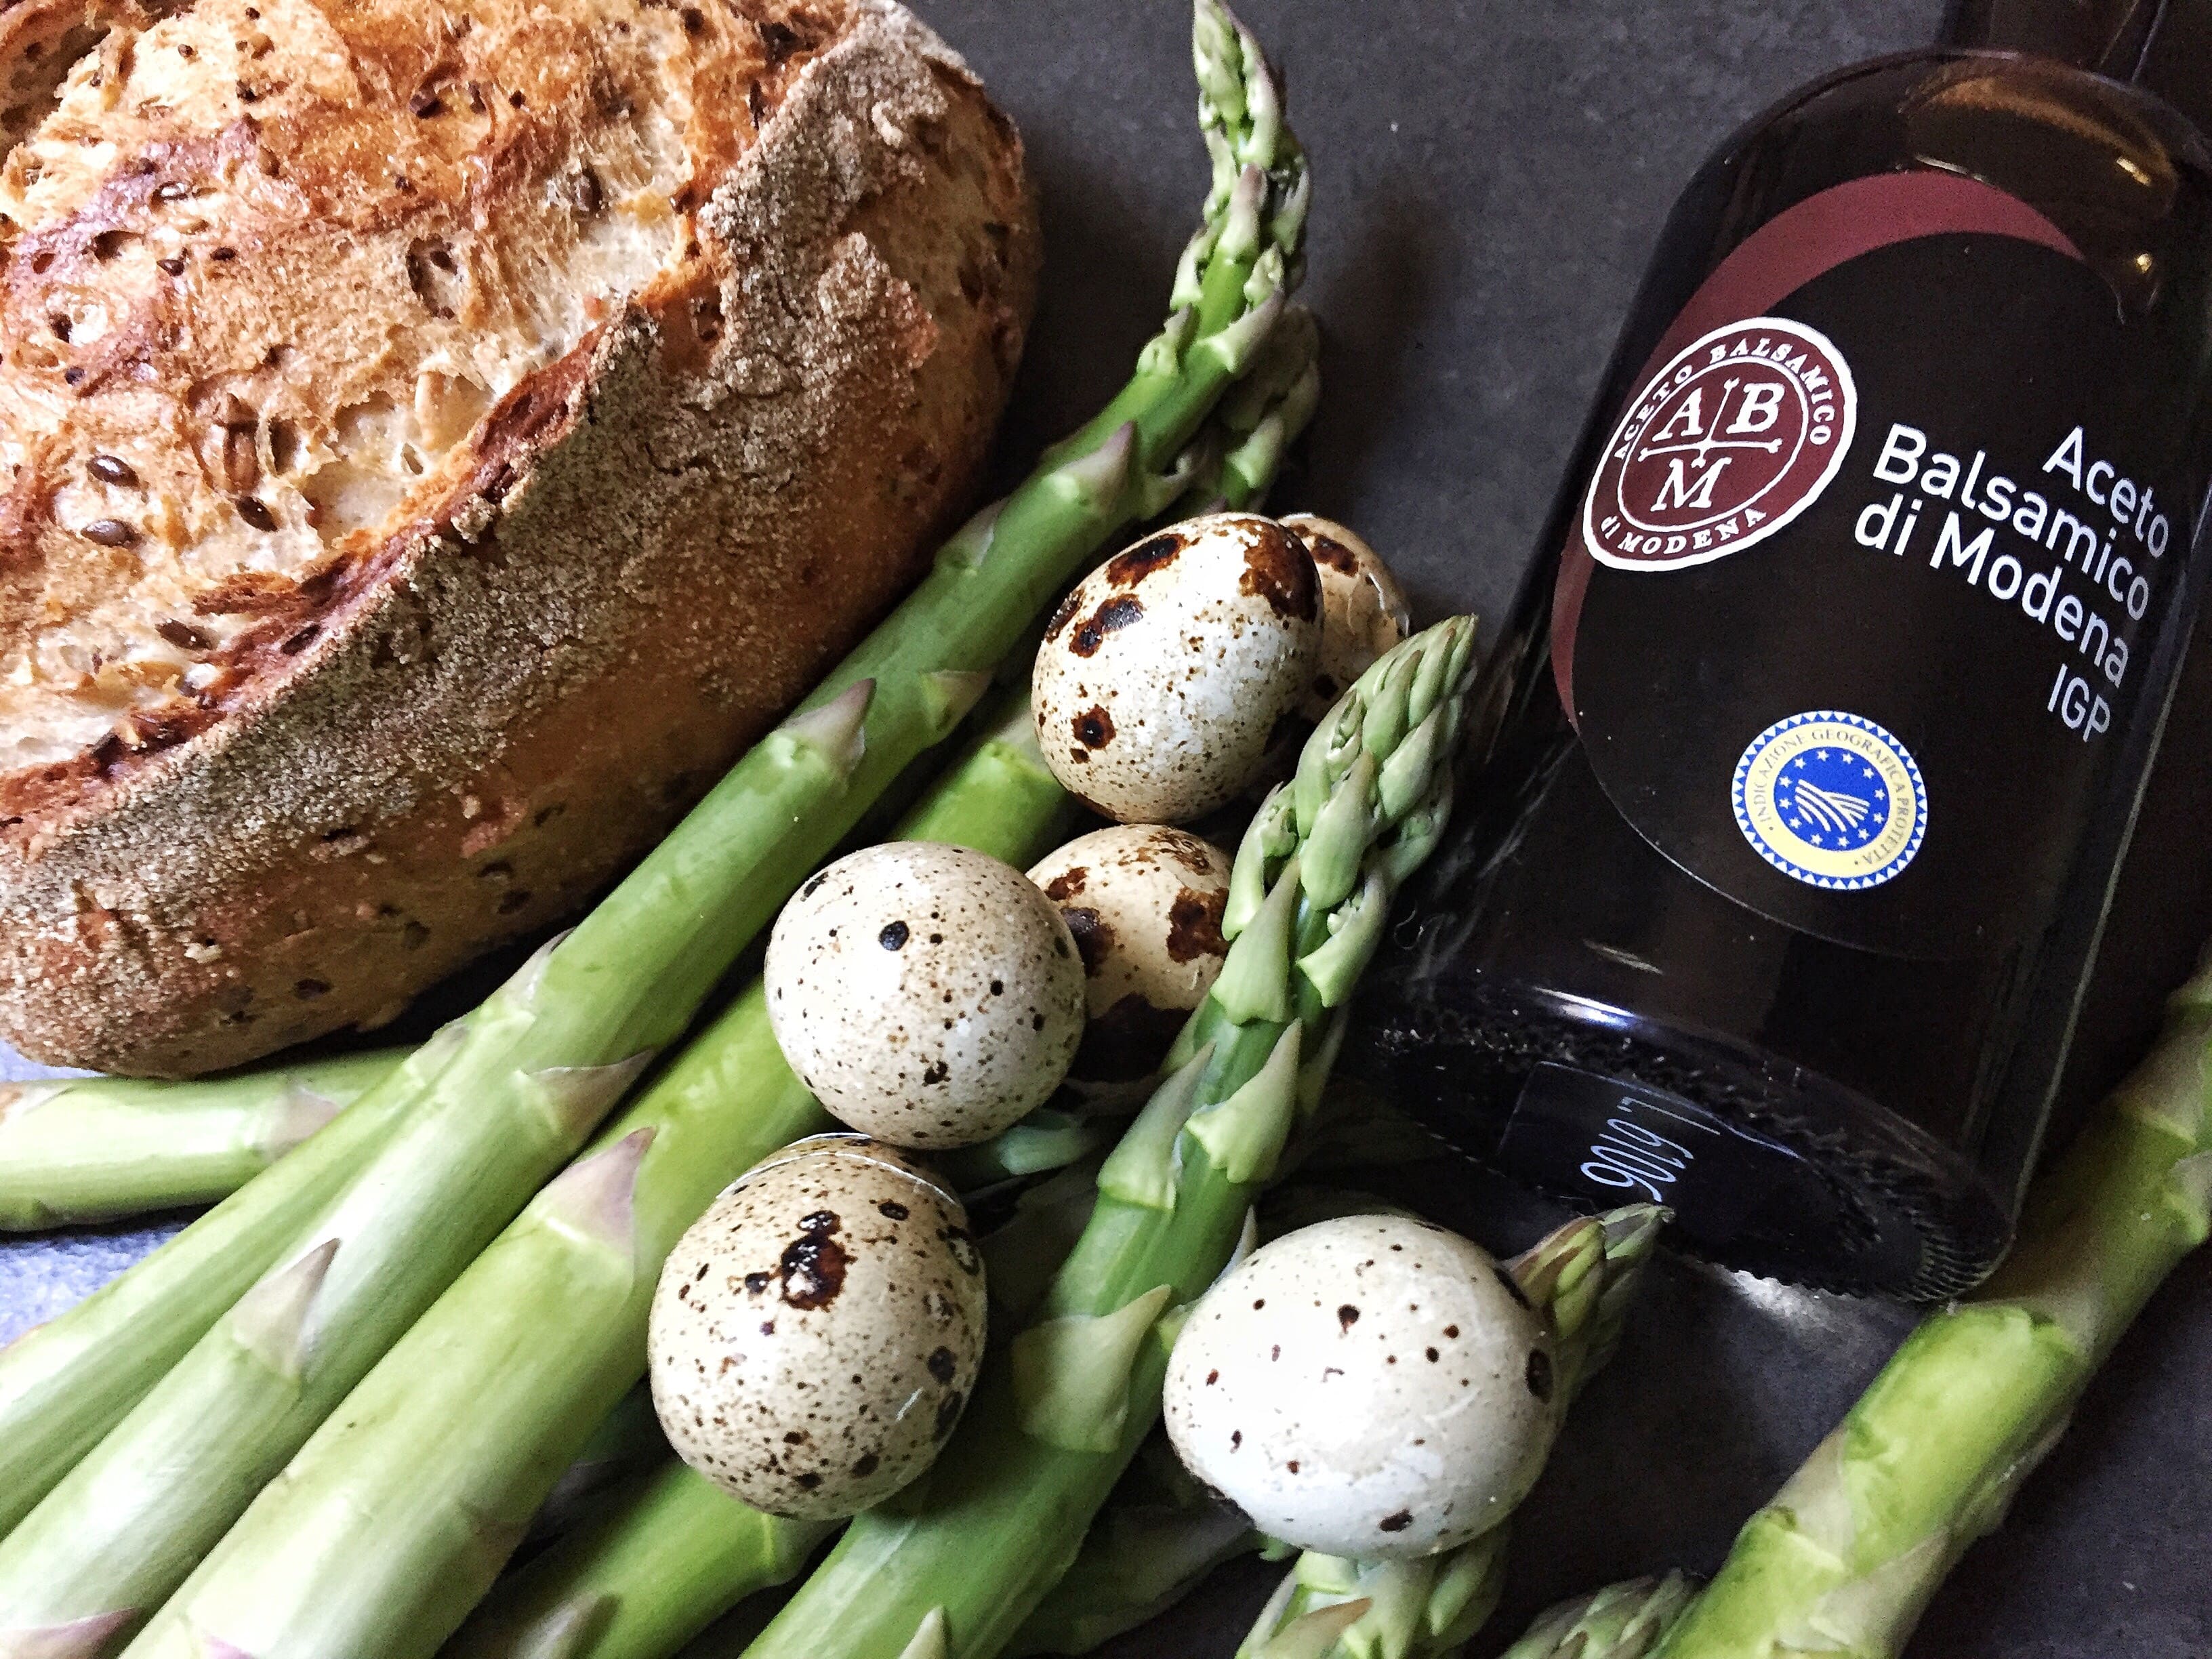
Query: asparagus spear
[[1159, 1534], [671, 1554], [392, 1522], [97, 1148], [121, 1530], [678, 1552], [627, 980], [1236, 459], [1584, 1276], [956, 1569], [1846, 1557], [65, 1384], [1622, 1621]]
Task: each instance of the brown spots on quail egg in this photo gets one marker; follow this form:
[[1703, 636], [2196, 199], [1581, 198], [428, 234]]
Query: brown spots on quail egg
[[816, 1334], [928, 994], [1363, 609], [1145, 904], [1365, 1386], [1164, 673]]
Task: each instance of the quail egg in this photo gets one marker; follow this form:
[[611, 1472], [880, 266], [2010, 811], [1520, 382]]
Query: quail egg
[[1363, 609], [816, 1333], [1163, 676], [1145, 904], [928, 994], [1368, 1386]]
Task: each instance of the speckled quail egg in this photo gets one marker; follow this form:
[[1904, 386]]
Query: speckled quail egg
[[1367, 1385], [816, 1333], [1163, 674], [1145, 903], [1363, 609], [928, 994]]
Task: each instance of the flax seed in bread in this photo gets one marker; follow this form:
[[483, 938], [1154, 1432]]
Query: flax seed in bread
[[442, 433]]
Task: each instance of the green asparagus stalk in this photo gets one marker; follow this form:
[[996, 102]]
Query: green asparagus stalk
[[627, 1442], [1622, 1621], [120, 1531], [1583, 1277], [668, 1557], [79, 1150], [1235, 460], [66, 1384], [1158, 1535], [392, 1522], [1846, 1557], [619, 1566], [627, 980], [956, 1568]]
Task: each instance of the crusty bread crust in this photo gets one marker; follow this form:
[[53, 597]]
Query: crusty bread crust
[[446, 727]]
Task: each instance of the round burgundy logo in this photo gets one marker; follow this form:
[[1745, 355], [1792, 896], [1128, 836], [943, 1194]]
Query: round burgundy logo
[[1733, 438]]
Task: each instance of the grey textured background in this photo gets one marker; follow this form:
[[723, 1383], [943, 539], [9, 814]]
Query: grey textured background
[[1490, 179]]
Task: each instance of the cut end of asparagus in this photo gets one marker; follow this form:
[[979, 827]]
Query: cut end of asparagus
[[81, 1638], [274, 1320], [595, 1196], [837, 731]]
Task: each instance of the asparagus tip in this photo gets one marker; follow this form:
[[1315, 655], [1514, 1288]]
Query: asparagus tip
[[271, 1321], [1237, 345]]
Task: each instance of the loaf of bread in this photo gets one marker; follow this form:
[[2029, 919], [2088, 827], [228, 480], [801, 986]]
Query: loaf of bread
[[442, 435]]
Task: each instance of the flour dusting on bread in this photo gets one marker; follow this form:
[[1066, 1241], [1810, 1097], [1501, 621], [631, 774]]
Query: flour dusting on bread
[[440, 434], [271, 263]]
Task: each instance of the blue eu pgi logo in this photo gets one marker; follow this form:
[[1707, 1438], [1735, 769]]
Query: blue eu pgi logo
[[1831, 800]]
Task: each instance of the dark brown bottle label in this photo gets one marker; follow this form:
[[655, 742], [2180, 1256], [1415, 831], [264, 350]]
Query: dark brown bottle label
[[1867, 575]]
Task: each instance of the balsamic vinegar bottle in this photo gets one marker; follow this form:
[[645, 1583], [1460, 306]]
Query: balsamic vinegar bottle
[[1805, 765]]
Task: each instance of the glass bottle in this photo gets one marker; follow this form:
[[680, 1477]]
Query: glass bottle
[[1802, 772]]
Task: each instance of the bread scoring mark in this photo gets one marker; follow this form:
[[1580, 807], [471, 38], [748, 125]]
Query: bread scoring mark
[[539, 563], [137, 268]]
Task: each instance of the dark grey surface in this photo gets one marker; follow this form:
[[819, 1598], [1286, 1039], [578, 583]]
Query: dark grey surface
[[1488, 181]]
